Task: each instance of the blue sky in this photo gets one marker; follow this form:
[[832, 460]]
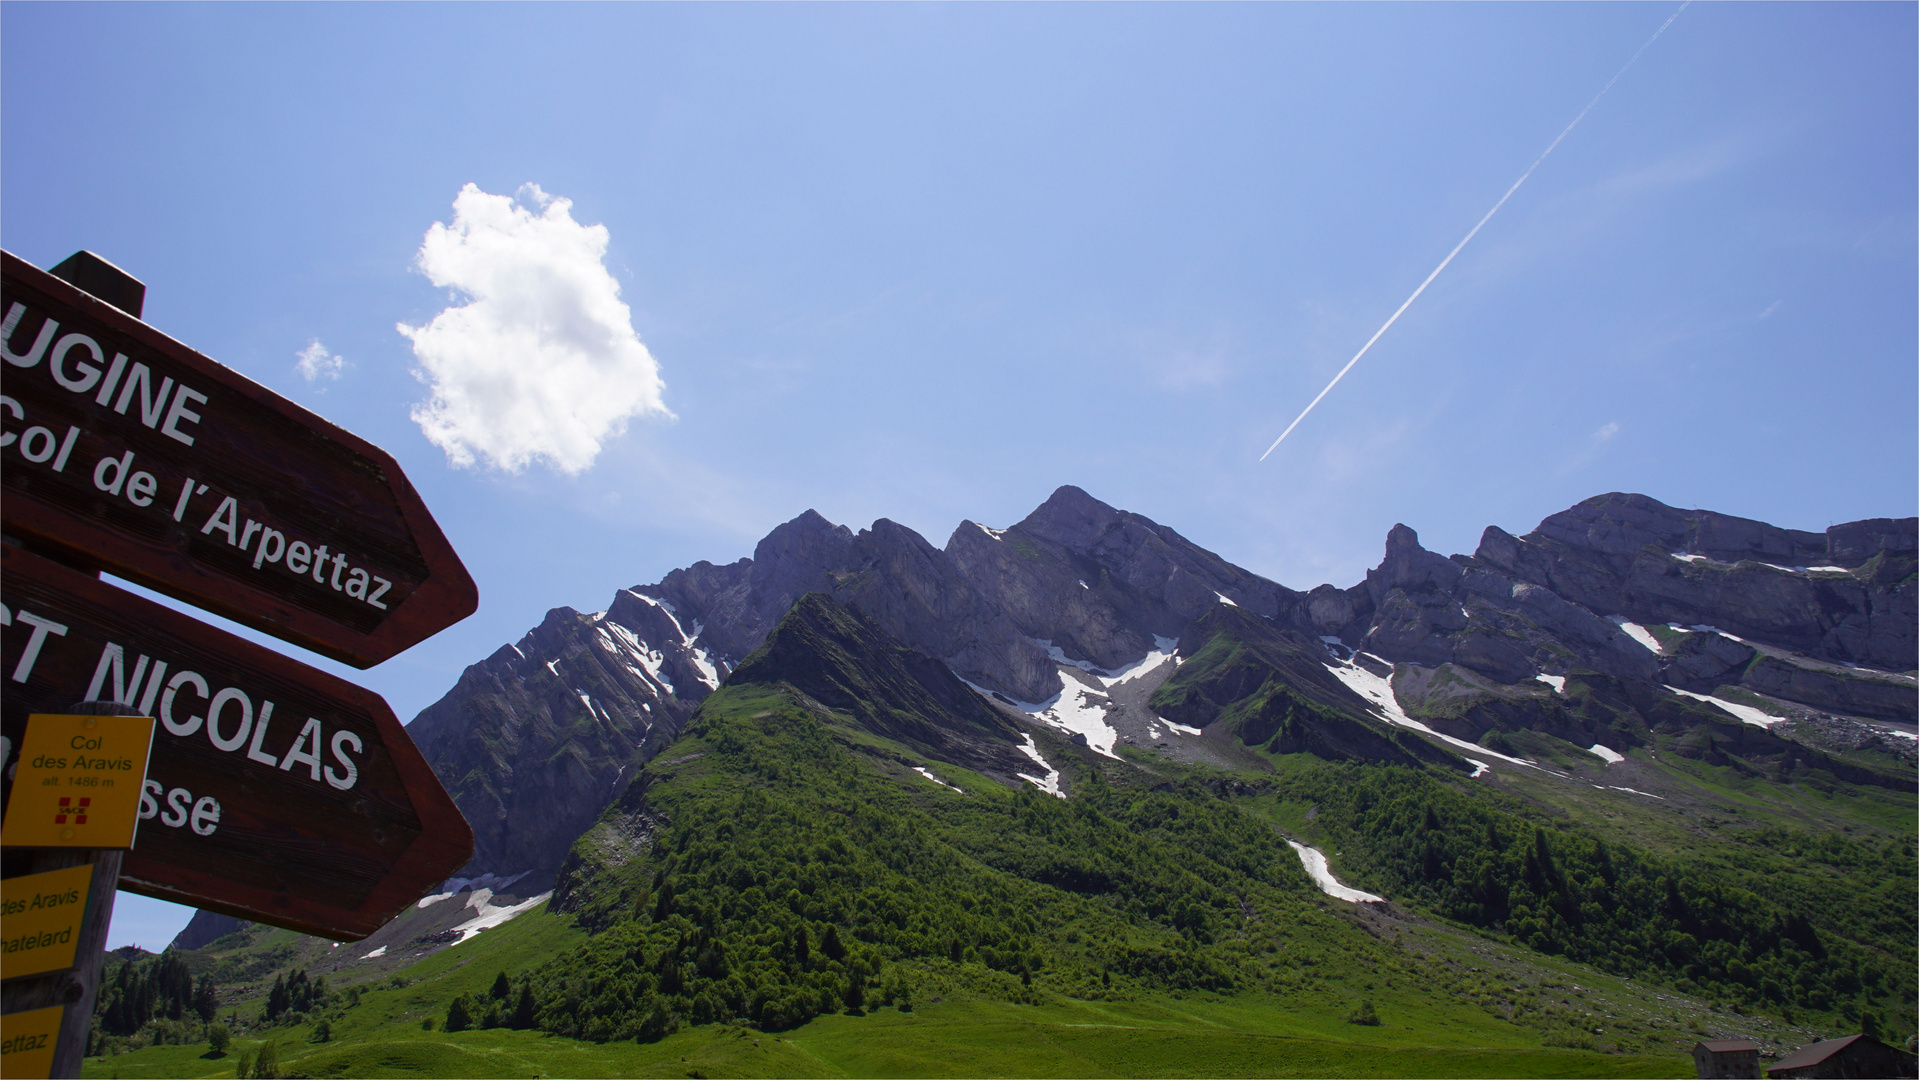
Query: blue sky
[[928, 262]]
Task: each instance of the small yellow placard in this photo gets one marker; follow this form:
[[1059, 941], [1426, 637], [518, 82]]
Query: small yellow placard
[[40, 919], [78, 782], [26, 1043]]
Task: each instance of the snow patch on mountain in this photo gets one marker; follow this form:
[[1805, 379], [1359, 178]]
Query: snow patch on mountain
[[928, 773], [453, 886], [486, 916], [1050, 784], [1314, 860], [708, 671], [1557, 682], [623, 642], [1340, 650], [1162, 651], [1704, 629], [1059, 656], [1073, 709], [1611, 757], [1746, 713], [1379, 691], [1635, 631]]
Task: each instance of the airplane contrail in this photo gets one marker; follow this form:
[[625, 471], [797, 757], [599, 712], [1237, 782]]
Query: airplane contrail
[[1475, 232]]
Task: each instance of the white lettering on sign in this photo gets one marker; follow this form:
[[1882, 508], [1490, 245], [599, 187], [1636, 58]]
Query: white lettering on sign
[[296, 556], [38, 445], [119, 474], [75, 364], [229, 716], [201, 815], [23, 670]]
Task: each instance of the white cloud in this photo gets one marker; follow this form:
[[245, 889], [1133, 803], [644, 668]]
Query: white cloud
[[1607, 432], [542, 360], [314, 363]]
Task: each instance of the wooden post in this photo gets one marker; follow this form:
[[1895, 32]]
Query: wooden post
[[78, 988]]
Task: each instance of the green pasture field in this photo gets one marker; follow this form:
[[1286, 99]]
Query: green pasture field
[[1198, 1034], [1161, 1037]]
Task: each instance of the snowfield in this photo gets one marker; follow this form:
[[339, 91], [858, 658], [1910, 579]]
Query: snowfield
[[1379, 691], [1315, 862], [1073, 710], [1745, 713], [486, 916], [928, 773], [1635, 631], [1050, 784]]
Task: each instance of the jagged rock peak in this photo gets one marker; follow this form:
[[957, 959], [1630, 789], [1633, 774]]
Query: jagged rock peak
[[1072, 518], [809, 539], [1409, 566]]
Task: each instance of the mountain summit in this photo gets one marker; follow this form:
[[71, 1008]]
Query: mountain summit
[[1070, 619]]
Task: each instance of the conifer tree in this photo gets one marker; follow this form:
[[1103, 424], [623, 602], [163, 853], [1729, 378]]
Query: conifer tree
[[458, 1016]]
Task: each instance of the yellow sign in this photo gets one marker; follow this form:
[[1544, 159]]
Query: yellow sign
[[78, 781], [40, 924], [26, 1042]]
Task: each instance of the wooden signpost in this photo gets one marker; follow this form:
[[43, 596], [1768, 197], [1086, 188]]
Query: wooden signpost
[[276, 793], [72, 811], [273, 791], [124, 450]]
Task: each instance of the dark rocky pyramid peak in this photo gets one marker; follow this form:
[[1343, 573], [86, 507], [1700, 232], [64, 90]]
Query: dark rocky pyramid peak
[[205, 928], [1072, 518], [1498, 547], [888, 530], [809, 539]]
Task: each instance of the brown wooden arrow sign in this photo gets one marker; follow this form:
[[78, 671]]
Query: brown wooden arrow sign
[[275, 792], [124, 450]]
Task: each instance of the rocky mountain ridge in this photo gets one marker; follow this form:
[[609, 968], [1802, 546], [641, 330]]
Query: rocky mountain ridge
[[1069, 620]]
